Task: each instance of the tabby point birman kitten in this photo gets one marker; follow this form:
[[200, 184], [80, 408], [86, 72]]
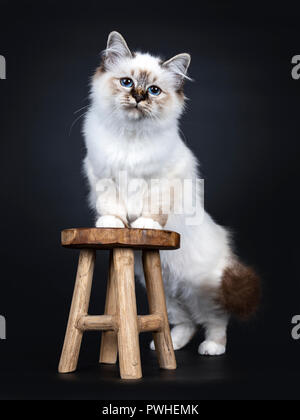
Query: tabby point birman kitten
[[131, 128]]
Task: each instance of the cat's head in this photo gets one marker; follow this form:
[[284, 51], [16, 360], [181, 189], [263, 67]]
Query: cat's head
[[136, 87]]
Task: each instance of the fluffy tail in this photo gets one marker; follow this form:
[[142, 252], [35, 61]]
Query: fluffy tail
[[240, 290]]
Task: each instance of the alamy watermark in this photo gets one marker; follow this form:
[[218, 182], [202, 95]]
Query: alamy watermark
[[2, 328], [2, 67], [2, 318], [152, 197], [296, 329], [296, 68]]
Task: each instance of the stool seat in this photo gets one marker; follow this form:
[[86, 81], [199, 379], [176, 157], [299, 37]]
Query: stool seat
[[107, 238]]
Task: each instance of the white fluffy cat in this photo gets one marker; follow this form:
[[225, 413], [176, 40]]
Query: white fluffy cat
[[131, 128]]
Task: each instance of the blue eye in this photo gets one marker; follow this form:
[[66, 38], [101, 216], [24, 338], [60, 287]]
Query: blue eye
[[126, 82], [154, 90]]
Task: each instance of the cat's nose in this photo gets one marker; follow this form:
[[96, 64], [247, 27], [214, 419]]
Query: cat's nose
[[139, 95]]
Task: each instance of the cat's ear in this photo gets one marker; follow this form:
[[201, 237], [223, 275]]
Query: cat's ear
[[179, 65], [116, 48]]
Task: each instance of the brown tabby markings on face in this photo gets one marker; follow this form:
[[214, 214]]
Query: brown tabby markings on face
[[180, 93], [139, 90], [115, 85], [99, 71], [163, 101], [144, 78]]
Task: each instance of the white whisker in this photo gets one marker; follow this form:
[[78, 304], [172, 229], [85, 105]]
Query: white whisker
[[74, 122], [80, 109]]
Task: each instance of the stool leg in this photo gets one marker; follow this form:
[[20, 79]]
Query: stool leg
[[79, 307], [128, 335], [109, 342], [157, 304]]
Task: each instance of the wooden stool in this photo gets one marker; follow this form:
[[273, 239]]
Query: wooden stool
[[120, 324]]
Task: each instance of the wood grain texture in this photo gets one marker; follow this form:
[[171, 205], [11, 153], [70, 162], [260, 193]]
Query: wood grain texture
[[79, 308], [157, 305], [149, 323], [109, 340], [107, 238], [128, 334], [97, 323], [120, 324], [109, 323]]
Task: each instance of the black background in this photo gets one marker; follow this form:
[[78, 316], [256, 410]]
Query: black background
[[242, 123]]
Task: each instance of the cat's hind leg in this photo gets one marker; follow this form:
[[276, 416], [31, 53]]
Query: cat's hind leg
[[215, 337]]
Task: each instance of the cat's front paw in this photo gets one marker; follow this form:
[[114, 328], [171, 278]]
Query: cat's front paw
[[109, 222], [145, 223], [211, 348]]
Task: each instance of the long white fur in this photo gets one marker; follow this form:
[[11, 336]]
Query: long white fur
[[118, 139]]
